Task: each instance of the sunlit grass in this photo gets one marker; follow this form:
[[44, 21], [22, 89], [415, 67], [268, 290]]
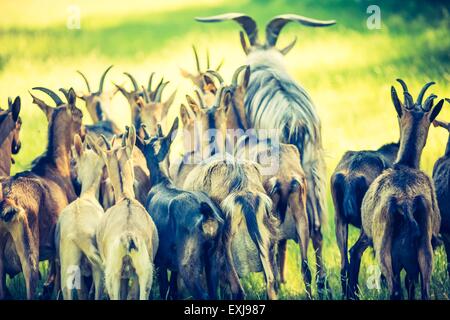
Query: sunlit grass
[[347, 69]]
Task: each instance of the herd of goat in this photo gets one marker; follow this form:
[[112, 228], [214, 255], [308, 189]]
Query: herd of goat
[[116, 205]]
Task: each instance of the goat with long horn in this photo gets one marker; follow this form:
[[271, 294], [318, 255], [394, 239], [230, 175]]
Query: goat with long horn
[[275, 101]]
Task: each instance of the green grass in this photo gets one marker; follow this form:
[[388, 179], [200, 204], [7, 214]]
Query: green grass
[[348, 70]]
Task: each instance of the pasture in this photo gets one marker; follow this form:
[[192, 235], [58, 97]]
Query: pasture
[[347, 69]]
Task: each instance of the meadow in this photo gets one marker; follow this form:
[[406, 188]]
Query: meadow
[[348, 70]]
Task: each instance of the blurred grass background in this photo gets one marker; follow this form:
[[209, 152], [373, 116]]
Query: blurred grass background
[[347, 69]]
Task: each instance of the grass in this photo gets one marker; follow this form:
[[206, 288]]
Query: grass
[[347, 69]]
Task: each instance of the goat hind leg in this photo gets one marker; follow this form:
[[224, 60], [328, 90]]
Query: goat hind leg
[[321, 278], [356, 253]]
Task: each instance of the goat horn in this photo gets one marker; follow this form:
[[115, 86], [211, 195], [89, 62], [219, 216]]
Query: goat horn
[[422, 92], [245, 21], [408, 98], [125, 136], [197, 62], [107, 144], [220, 65], [9, 102], [52, 95], [146, 96], [150, 80], [277, 23], [65, 93], [207, 59], [153, 94], [159, 91], [288, 48], [200, 99], [236, 75], [85, 80], [428, 103], [216, 75], [102, 79], [133, 80]]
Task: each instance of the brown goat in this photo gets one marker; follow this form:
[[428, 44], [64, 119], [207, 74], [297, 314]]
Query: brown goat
[[145, 103], [32, 201], [400, 214], [441, 178], [349, 183], [206, 85]]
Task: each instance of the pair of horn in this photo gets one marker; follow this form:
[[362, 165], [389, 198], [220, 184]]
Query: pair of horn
[[409, 101], [234, 78], [273, 28], [208, 64], [102, 80]]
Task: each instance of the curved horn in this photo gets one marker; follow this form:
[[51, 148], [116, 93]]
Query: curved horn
[[150, 81], [288, 48], [197, 62], [216, 75], [428, 102], [236, 75], [159, 91], [277, 23], [85, 80], [422, 92], [200, 99], [153, 94], [107, 144], [245, 21], [408, 98], [146, 96], [52, 95], [133, 80], [65, 93], [102, 79]]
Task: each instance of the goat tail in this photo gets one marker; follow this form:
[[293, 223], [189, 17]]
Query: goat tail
[[256, 209], [211, 220], [353, 196], [314, 167], [129, 242]]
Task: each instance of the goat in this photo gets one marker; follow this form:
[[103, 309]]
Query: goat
[[77, 224], [145, 103], [441, 178], [189, 225], [10, 125], [275, 101], [126, 236], [399, 213], [32, 201], [349, 183], [97, 105], [141, 173], [250, 227], [206, 86]]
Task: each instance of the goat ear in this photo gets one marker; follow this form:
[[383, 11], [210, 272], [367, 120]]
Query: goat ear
[[166, 142], [140, 102], [169, 101], [72, 97], [78, 144], [396, 101], [94, 146], [209, 84], [436, 110], [194, 106], [184, 114], [15, 109], [131, 140], [48, 111], [246, 78], [226, 101]]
